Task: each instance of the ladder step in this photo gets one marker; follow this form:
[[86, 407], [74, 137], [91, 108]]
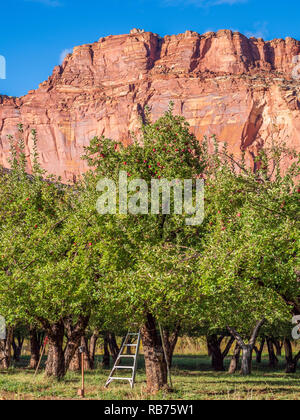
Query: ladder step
[[120, 379], [126, 355], [124, 367], [133, 334], [131, 345]]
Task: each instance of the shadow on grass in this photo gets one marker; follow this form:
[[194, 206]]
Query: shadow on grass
[[192, 376]]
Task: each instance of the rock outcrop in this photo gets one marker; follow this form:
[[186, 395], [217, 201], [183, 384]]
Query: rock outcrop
[[239, 89]]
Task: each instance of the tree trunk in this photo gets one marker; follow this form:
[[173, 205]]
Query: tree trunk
[[260, 350], [291, 362], [34, 348], [17, 344], [5, 349], [214, 347], [246, 365], [170, 341], [156, 367], [74, 336], [75, 364], [273, 361], [59, 360], [213, 344], [92, 348], [56, 362], [87, 358], [49, 361], [247, 349], [209, 354], [106, 355], [291, 367], [113, 346], [278, 347], [234, 363]]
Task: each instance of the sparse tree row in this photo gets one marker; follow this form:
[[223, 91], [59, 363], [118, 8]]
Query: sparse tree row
[[79, 277]]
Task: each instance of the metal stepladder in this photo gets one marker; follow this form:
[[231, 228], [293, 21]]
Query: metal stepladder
[[128, 343]]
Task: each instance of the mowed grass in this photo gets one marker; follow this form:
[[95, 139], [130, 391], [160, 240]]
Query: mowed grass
[[192, 379]]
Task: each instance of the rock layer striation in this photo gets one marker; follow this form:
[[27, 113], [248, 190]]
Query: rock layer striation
[[239, 89]]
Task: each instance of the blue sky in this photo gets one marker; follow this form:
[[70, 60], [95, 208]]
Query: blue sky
[[35, 33]]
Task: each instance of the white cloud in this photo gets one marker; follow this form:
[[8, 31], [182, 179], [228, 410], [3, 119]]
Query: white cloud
[[260, 30], [64, 53]]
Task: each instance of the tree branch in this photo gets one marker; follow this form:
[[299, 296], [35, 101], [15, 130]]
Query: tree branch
[[237, 336], [228, 347], [256, 332]]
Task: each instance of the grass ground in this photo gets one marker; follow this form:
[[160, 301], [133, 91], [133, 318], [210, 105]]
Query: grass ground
[[192, 378]]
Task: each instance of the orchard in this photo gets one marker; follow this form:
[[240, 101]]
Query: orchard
[[76, 276]]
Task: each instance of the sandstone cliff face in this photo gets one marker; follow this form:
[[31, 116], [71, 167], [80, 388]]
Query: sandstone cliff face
[[224, 83]]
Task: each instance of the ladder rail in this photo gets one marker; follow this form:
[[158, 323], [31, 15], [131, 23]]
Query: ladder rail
[[136, 360], [117, 359]]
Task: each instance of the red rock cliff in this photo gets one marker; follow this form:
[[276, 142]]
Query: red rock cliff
[[224, 83]]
